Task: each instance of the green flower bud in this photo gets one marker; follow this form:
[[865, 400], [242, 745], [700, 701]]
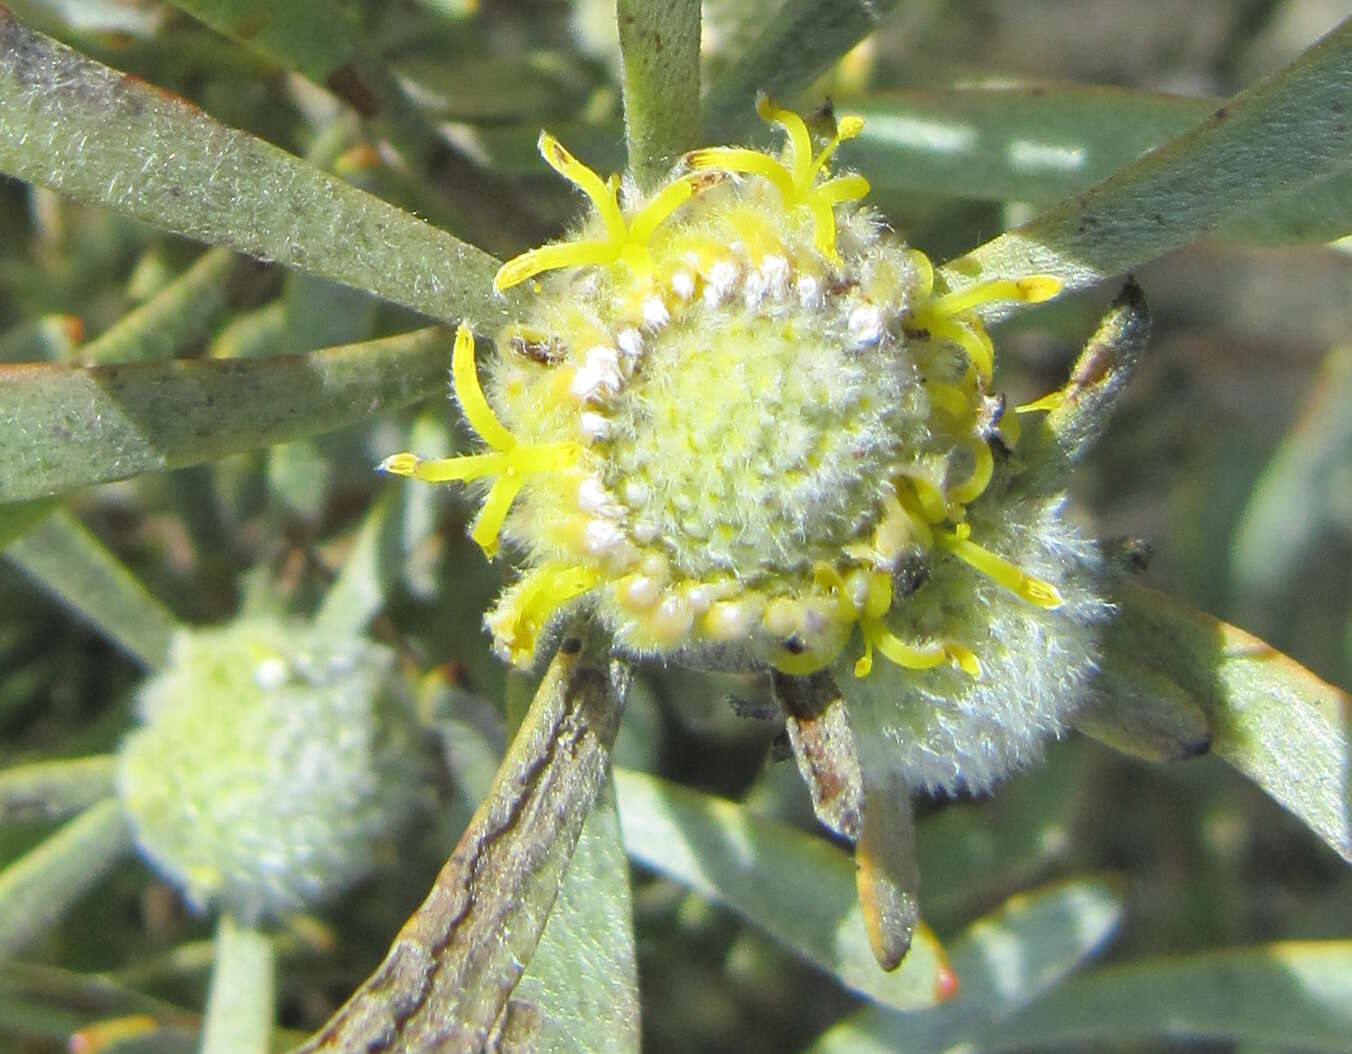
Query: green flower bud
[[271, 761]]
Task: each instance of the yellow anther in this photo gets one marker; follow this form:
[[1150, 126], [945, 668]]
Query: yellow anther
[[926, 269], [950, 400], [879, 595], [526, 608], [509, 459], [968, 334], [1048, 403], [795, 180], [828, 578], [1031, 289], [907, 656], [932, 505], [909, 502], [983, 467], [465, 377], [625, 242], [997, 568]]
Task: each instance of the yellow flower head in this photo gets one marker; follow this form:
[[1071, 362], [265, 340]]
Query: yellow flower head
[[740, 421]]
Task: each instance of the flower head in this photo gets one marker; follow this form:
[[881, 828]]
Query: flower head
[[270, 761], [742, 423]]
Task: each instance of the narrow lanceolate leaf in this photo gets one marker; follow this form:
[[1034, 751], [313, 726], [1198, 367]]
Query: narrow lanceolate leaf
[[1003, 962], [20, 516], [53, 790], [60, 555], [37, 888], [1280, 136], [799, 889], [799, 42], [449, 975], [1042, 143], [1298, 503], [64, 427], [580, 991], [370, 570], [97, 135], [1288, 996], [1272, 719], [241, 1001], [180, 313], [659, 43]]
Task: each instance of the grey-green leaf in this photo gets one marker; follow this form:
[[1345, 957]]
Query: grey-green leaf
[[1295, 995], [64, 427], [53, 790], [1003, 962], [71, 124], [1269, 717], [580, 991], [799, 889], [66, 559], [37, 888], [796, 44], [1275, 139], [1042, 143]]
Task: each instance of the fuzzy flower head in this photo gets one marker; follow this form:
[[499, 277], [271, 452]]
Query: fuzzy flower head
[[743, 425], [271, 760]]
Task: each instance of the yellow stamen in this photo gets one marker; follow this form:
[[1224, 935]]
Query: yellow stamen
[[983, 468], [623, 242], [526, 608], [998, 569], [465, 377], [1031, 289], [828, 578], [950, 400], [1049, 402], [968, 334], [509, 459], [926, 269], [795, 180]]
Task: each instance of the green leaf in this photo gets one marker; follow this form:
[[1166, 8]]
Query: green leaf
[[798, 888], [99, 136], [1003, 962], [240, 1002], [372, 569], [53, 790], [580, 991], [63, 427], [47, 1002], [452, 968], [1274, 139], [37, 888], [659, 45], [180, 313], [1298, 502], [67, 560], [1295, 995], [798, 43], [1042, 143], [17, 517], [1269, 717]]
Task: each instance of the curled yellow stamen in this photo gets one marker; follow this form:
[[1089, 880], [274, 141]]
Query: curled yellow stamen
[[796, 181], [526, 608], [509, 460], [997, 568], [983, 468], [625, 242]]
